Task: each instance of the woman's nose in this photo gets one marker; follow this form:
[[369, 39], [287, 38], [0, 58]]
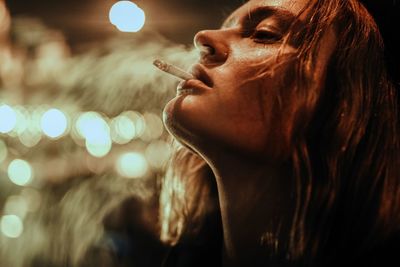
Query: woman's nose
[[212, 46]]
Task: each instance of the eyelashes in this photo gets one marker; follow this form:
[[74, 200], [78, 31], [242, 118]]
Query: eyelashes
[[266, 36]]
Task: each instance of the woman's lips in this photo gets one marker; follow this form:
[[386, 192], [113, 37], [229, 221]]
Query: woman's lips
[[192, 86], [200, 83], [200, 73]]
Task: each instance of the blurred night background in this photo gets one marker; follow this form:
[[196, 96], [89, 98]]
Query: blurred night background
[[82, 144], [86, 21]]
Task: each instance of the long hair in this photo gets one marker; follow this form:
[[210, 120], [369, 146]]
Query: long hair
[[345, 147], [345, 157]]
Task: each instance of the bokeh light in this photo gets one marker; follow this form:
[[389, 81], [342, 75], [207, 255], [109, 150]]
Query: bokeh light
[[20, 172], [28, 128], [158, 153], [90, 124], [3, 151], [139, 121], [22, 120], [154, 127], [54, 123], [8, 118], [127, 16], [132, 165], [11, 226], [30, 138], [32, 197], [99, 147], [17, 205], [96, 132], [122, 129]]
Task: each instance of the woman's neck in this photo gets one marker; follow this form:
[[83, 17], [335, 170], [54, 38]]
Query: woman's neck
[[255, 202]]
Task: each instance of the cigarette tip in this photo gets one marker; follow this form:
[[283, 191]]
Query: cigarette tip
[[159, 64], [173, 70]]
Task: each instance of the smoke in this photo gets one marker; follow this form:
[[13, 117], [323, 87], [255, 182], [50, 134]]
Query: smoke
[[110, 78], [122, 72]]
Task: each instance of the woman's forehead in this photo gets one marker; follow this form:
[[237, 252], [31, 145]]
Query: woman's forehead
[[292, 6]]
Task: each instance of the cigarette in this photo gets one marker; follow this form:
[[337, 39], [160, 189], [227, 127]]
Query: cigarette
[[173, 70]]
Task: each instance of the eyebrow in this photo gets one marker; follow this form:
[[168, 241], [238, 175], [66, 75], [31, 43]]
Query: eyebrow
[[260, 13]]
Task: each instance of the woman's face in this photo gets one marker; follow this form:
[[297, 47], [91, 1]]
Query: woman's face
[[233, 103]]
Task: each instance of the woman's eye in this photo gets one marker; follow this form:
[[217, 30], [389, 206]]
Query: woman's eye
[[264, 36]]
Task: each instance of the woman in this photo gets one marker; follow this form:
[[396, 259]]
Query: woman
[[288, 142]]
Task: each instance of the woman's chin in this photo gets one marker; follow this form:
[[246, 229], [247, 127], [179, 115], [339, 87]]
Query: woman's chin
[[168, 116], [173, 118]]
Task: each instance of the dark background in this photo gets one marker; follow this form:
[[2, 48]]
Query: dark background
[[86, 21]]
